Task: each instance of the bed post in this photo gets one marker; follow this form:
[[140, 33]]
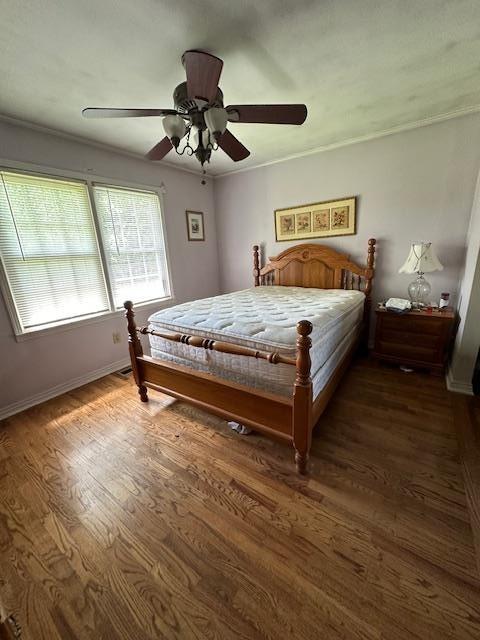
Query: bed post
[[302, 398], [256, 265], [135, 349], [368, 291]]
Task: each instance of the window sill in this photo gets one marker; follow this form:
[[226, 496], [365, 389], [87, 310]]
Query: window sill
[[70, 325]]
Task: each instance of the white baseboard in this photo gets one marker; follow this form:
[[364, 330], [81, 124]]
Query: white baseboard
[[457, 386], [68, 385]]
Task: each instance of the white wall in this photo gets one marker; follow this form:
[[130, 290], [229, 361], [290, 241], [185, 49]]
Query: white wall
[[30, 369], [415, 185], [467, 341]]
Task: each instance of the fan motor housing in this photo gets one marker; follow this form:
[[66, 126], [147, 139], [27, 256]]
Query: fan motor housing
[[184, 104]]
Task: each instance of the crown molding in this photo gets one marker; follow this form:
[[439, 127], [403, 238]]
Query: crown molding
[[372, 136], [93, 143], [457, 113]]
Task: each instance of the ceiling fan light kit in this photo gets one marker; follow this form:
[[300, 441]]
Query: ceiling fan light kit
[[200, 116], [175, 128], [216, 120]]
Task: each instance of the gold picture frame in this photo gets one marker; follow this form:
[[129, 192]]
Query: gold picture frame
[[317, 220]]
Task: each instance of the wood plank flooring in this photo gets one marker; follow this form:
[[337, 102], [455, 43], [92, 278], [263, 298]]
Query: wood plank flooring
[[466, 411], [122, 520]]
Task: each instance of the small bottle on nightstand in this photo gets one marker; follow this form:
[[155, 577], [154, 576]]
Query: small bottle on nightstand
[[444, 300]]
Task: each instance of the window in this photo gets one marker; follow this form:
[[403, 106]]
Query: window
[[131, 228], [55, 268], [49, 250]]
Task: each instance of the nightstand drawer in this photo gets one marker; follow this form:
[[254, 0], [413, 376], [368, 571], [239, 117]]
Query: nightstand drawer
[[420, 353], [412, 339], [413, 324]]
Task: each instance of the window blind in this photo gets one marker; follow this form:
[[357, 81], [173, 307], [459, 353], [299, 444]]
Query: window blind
[[49, 249], [134, 244]]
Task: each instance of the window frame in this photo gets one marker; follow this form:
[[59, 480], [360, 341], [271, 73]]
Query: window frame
[[105, 262], [89, 180]]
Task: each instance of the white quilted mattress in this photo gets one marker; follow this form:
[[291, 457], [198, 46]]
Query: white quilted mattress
[[263, 318]]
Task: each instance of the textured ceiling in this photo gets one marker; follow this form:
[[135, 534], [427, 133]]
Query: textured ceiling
[[361, 67]]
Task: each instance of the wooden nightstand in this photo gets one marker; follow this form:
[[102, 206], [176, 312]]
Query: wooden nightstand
[[418, 339]]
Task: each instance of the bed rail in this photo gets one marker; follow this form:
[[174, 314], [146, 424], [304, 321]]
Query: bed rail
[[215, 345]]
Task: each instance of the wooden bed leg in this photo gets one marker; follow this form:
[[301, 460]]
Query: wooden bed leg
[[302, 398], [142, 391], [135, 349]]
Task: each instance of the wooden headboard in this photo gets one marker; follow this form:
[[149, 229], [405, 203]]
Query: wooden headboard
[[314, 265]]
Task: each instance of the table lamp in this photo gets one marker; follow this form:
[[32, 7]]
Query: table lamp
[[421, 259]]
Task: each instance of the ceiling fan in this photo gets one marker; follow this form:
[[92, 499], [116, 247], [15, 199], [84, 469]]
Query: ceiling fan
[[200, 117]]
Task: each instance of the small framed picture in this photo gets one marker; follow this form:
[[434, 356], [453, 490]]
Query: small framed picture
[[195, 228]]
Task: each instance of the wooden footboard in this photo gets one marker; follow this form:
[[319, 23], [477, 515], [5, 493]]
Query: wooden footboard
[[290, 419]]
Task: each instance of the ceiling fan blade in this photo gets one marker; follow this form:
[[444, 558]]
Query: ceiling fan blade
[[268, 113], [160, 150], [203, 73], [99, 112], [233, 147]]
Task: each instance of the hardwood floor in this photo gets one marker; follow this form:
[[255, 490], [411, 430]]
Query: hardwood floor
[[124, 520], [466, 411]]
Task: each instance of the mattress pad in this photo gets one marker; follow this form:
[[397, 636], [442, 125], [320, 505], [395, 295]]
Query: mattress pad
[[262, 318]]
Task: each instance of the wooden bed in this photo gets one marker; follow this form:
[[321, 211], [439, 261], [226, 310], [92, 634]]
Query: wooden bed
[[290, 419]]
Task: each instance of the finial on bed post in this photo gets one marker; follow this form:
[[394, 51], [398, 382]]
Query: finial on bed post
[[256, 265], [370, 271], [135, 349], [302, 397]]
